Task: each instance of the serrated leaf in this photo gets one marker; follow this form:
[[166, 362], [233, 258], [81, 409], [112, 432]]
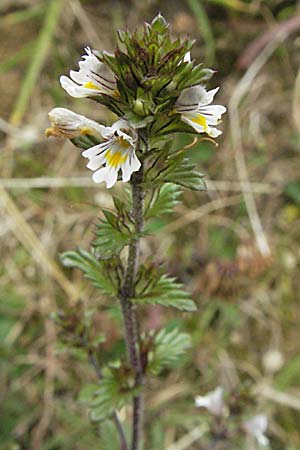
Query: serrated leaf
[[164, 200], [176, 169], [112, 235], [169, 347], [184, 173], [93, 270], [111, 394], [163, 290]]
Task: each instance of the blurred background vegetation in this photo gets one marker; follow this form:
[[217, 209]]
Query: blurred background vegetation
[[236, 247]]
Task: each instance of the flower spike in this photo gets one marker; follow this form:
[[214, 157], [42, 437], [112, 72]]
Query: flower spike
[[116, 152], [193, 105], [92, 78]]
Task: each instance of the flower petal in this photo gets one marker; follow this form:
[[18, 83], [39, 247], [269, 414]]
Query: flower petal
[[197, 121], [132, 164], [212, 113], [68, 124], [109, 175], [189, 98], [96, 162], [187, 57], [208, 98], [213, 132], [96, 150], [195, 97], [92, 78], [76, 91], [116, 152], [201, 123]]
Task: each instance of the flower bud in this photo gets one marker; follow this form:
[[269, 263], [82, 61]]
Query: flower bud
[[139, 107]]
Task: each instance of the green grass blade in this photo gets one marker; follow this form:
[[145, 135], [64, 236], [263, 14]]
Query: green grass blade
[[38, 58], [205, 29]]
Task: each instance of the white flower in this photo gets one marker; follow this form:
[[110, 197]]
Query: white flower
[[93, 78], [256, 427], [193, 105], [213, 401], [117, 152], [66, 123]]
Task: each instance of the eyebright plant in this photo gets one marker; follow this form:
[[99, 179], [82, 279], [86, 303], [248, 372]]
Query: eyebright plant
[[154, 89]]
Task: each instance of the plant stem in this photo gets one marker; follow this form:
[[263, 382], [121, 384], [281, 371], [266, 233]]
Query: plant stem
[[129, 314], [116, 420]]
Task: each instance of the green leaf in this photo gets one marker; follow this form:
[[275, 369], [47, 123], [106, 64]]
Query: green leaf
[[115, 389], [163, 200], [181, 171], [174, 168], [137, 121], [112, 233], [100, 273], [87, 393], [169, 347], [155, 288]]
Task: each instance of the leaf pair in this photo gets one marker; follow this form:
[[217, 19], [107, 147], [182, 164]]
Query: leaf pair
[[116, 388]]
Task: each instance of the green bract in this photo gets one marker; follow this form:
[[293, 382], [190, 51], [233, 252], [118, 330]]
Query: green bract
[[151, 71]]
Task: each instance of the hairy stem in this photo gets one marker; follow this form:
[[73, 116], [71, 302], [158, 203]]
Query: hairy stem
[[115, 418], [128, 310]]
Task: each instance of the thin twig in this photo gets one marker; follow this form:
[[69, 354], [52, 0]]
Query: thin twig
[[203, 210], [281, 398], [86, 24], [61, 182], [296, 102], [256, 47], [188, 439]]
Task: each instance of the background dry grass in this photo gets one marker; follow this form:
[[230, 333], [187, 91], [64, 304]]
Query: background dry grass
[[236, 247]]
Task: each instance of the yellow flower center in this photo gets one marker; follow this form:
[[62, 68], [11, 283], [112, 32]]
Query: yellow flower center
[[116, 158], [200, 120], [91, 85], [123, 143]]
